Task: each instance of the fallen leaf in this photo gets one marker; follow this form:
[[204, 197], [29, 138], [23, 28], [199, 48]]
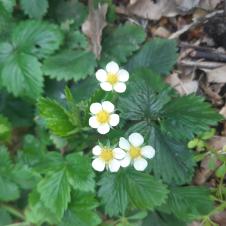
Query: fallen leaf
[[153, 11], [220, 218], [186, 5], [223, 111], [182, 86], [217, 75], [209, 4], [217, 142], [93, 27]]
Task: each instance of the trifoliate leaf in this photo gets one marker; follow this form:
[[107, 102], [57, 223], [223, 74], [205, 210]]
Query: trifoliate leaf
[[143, 105], [80, 173], [22, 75], [70, 64], [188, 115], [34, 8], [158, 54], [37, 37], [5, 129], [81, 211], [55, 116], [54, 192], [140, 189], [188, 203], [120, 43], [161, 219]]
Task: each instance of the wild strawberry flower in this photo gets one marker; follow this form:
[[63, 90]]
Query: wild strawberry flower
[[106, 157], [136, 153], [103, 117], [113, 78]]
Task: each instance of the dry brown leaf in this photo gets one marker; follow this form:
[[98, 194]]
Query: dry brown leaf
[[217, 75], [182, 86], [93, 27], [209, 4], [217, 142], [154, 11], [223, 111], [220, 218], [186, 5]]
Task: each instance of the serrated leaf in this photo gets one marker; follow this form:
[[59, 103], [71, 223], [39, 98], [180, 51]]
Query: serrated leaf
[[54, 192], [142, 190], [34, 8], [120, 43], [22, 75], [161, 219], [143, 105], [159, 55], [81, 211], [55, 116], [80, 173], [37, 37], [188, 115], [188, 203], [69, 65]]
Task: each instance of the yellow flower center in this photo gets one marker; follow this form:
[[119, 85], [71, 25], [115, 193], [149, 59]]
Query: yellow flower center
[[112, 78], [102, 116], [134, 152], [106, 154]]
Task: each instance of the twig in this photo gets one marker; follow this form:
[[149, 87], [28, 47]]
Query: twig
[[13, 211], [197, 64], [210, 56], [197, 22]]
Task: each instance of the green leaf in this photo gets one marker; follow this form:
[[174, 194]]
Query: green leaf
[[159, 55], [8, 5], [5, 218], [81, 211], [188, 203], [54, 192], [120, 43], [34, 8], [22, 75], [140, 189], [161, 219], [37, 37], [70, 64], [80, 173], [37, 213], [173, 162], [5, 129], [55, 116], [188, 115]]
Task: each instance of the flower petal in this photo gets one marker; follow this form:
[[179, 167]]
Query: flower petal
[[103, 128], [114, 165], [112, 67], [95, 108], [93, 122], [106, 86], [108, 106], [120, 87], [136, 139], [96, 150], [114, 120], [140, 164], [124, 144], [123, 75], [148, 152], [126, 161], [119, 153], [101, 75], [98, 164]]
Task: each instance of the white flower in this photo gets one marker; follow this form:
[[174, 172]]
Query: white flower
[[103, 117], [113, 78], [108, 158], [136, 153]]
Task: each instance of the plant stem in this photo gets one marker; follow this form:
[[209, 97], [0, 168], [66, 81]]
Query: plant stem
[[13, 211], [20, 224]]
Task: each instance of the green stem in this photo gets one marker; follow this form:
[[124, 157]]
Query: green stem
[[19, 224], [13, 211]]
